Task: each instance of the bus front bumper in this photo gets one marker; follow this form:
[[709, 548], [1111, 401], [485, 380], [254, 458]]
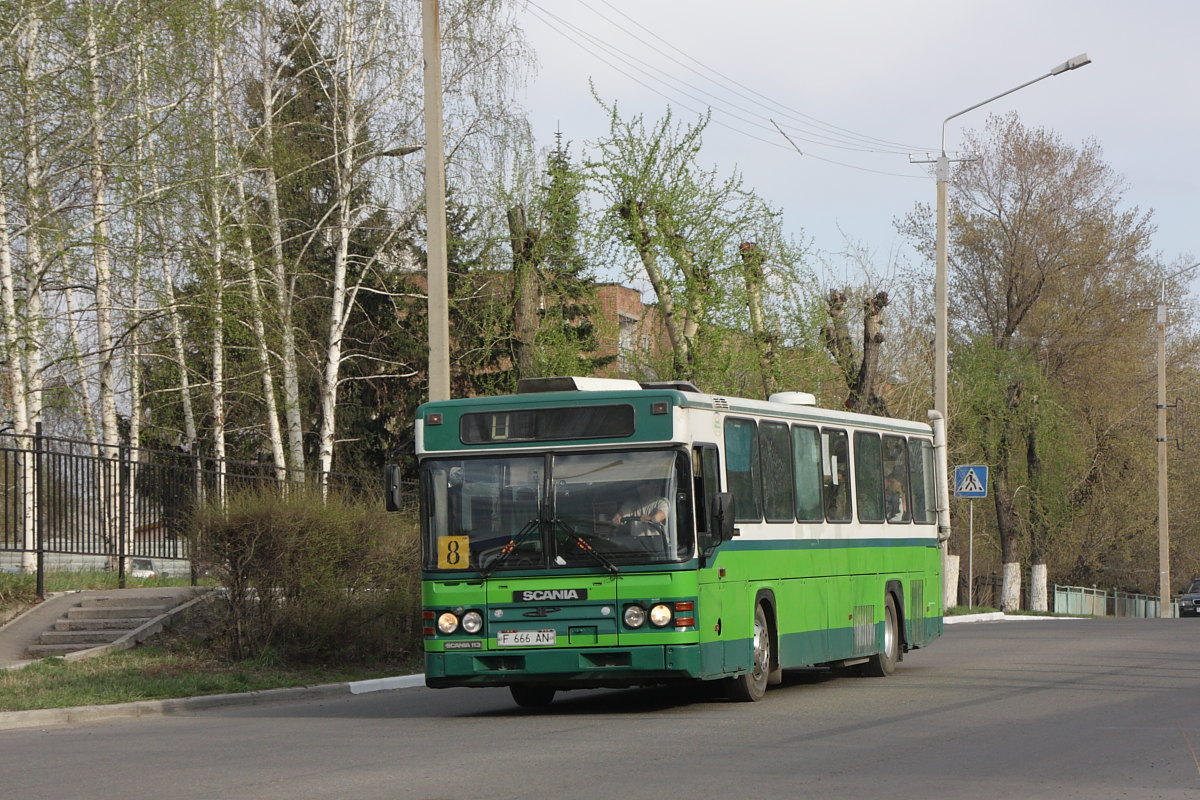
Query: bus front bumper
[[564, 666]]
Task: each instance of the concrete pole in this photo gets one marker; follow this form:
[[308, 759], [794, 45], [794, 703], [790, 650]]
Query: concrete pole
[[1164, 535], [435, 208], [941, 325]]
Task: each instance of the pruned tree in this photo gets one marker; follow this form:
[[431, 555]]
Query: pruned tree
[[684, 225], [860, 370]]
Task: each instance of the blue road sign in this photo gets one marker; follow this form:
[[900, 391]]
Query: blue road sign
[[971, 481]]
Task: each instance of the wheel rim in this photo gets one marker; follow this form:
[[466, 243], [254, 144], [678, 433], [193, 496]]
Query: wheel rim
[[762, 649], [889, 632]]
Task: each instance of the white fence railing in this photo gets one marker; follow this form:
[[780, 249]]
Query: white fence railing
[[1095, 602]]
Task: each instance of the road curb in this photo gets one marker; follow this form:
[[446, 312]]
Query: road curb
[[43, 717], [999, 616]]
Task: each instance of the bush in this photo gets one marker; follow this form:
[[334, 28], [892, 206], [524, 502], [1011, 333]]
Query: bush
[[312, 581]]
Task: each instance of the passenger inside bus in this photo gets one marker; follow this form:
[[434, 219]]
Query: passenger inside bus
[[893, 497]]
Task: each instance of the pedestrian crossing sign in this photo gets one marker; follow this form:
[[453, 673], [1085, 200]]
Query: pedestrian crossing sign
[[971, 481]]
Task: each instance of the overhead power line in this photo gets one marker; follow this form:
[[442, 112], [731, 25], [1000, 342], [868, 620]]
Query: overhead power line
[[779, 108], [609, 55]]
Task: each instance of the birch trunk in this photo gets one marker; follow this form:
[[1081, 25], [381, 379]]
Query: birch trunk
[[134, 353], [188, 440], [79, 357], [353, 51], [29, 58], [102, 264], [345, 144], [250, 270], [216, 226], [15, 380], [283, 292]]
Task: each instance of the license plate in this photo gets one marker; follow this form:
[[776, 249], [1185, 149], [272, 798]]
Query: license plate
[[525, 638]]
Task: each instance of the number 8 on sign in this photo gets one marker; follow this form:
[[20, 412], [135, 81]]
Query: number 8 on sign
[[453, 552]]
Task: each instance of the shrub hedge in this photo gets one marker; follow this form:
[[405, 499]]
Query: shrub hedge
[[311, 580]]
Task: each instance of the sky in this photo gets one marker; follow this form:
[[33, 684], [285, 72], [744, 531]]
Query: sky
[[859, 85]]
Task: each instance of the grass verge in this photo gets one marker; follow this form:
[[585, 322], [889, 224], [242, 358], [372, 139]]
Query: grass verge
[[957, 611], [159, 672]]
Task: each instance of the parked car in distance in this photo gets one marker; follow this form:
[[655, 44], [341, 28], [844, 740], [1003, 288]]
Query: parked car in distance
[[1189, 601], [144, 568]]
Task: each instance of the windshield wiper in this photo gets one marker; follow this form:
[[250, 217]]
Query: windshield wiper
[[510, 548], [586, 547]]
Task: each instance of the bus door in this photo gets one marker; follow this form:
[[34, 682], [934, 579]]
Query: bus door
[[711, 595]]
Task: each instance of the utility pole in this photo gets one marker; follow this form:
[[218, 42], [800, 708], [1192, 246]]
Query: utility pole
[[435, 208], [1164, 530], [941, 326]]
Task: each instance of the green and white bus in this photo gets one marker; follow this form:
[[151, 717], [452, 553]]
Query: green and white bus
[[592, 532]]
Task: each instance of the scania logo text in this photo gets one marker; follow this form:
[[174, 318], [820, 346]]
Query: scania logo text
[[542, 595]]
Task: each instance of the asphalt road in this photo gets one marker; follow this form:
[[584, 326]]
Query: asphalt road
[[1042, 709]]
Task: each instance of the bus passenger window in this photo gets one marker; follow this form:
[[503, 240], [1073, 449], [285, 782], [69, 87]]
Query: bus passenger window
[[895, 481], [806, 464], [741, 469], [868, 472], [835, 475], [922, 470], [775, 447]]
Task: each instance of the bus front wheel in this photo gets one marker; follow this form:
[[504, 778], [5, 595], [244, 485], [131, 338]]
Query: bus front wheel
[[884, 663], [752, 686], [531, 696]]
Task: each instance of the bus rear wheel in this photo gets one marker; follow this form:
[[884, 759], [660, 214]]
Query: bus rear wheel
[[752, 686], [531, 696], [883, 663]]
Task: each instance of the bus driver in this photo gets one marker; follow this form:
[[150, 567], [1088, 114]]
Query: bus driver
[[648, 506]]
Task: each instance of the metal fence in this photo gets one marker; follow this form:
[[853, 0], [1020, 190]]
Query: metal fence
[[1094, 602], [70, 504]]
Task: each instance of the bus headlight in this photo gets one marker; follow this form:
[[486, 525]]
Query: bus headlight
[[472, 622], [635, 616], [660, 615], [447, 622]]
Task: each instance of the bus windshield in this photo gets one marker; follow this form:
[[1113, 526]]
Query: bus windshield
[[600, 510]]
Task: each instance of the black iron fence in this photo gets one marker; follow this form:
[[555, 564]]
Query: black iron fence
[[72, 504]]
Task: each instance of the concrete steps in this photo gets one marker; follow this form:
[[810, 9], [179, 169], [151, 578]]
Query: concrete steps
[[98, 621]]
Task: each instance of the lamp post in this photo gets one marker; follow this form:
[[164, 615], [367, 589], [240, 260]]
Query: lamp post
[[942, 172], [1164, 534]]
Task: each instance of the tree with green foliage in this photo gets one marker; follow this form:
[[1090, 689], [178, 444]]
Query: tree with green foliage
[[684, 227], [553, 331], [1042, 260]]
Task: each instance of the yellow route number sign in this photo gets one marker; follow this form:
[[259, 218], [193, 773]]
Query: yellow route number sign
[[454, 552]]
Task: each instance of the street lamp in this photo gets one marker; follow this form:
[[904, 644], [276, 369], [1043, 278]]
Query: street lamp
[[942, 171]]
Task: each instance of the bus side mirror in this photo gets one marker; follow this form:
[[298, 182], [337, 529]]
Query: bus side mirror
[[391, 487], [722, 516]]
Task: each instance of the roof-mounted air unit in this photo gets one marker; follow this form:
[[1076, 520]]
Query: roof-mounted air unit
[[793, 398], [574, 384]]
